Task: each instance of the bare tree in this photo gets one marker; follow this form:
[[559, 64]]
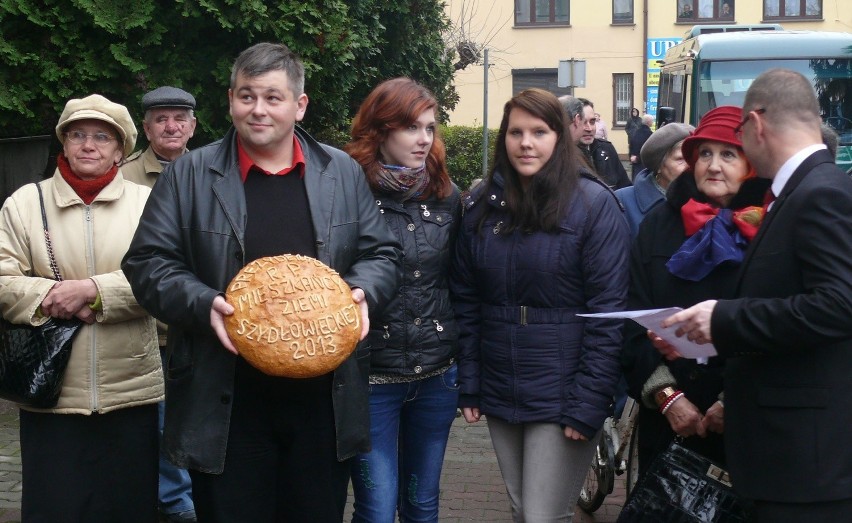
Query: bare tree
[[468, 40]]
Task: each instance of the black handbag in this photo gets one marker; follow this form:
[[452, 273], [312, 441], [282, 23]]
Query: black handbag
[[682, 486], [33, 359]]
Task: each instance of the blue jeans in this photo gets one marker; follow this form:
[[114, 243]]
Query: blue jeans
[[175, 492], [409, 427]]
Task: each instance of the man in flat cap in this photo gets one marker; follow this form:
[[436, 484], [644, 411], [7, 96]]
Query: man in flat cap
[[169, 124]]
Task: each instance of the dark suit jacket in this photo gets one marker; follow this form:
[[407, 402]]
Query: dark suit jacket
[[788, 383]]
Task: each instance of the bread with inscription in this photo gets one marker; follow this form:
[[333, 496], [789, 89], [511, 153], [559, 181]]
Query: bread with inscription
[[293, 316]]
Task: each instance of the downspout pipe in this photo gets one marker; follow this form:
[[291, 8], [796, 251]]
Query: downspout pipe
[[645, 55]]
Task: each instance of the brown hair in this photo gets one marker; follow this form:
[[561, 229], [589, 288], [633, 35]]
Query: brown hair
[[396, 104], [541, 205]]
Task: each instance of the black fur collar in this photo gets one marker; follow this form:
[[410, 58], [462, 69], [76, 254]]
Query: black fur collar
[[683, 188]]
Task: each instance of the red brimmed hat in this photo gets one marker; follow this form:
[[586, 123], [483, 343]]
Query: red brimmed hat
[[717, 125]]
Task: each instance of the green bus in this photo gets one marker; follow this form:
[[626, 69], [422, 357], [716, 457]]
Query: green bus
[[715, 65]]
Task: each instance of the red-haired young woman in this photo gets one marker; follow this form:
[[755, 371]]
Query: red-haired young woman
[[413, 389]]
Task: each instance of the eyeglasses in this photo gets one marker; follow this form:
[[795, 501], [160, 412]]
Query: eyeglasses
[[79, 137], [738, 130]]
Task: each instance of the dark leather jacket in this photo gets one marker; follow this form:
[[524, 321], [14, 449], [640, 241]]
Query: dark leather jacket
[[417, 333], [601, 155], [188, 247]]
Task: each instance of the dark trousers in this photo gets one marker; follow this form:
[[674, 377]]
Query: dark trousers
[[281, 461], [101, 467]]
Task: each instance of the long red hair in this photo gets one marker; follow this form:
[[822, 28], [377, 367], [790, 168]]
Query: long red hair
[[396, 104]]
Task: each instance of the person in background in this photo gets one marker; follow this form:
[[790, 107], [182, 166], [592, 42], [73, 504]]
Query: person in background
[[601, 132], [690, 248], [92, 457], [786, 335], [544, 377], [259, 448], [829, 138], [414, 343], [169, 123], [598, 155], [633, 122], [635, 143], [663, 161]]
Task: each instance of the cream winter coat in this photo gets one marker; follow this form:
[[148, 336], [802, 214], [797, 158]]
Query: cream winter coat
[[115, 363]]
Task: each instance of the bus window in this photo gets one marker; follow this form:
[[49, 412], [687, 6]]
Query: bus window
[[835, 104], [726, 82], [672, 88]]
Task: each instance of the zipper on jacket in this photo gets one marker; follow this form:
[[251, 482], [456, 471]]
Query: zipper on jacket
[[438, 326], [497, 227], [94, 330], [386, 335]]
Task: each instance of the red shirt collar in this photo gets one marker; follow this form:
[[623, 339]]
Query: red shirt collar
[[247, 163]]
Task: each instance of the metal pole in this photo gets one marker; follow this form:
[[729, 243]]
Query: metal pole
[[485, 114], [571, 76]]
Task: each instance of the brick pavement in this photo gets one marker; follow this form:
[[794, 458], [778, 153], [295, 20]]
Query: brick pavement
[[471, 488], [10, 464]]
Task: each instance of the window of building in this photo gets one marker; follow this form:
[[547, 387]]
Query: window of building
[[622, 11], [786, 9], [542, 12], [705, 10], [543, 78], [622, 95]]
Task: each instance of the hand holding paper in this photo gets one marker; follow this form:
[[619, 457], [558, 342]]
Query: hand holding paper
[[694, 322], [655, 319]]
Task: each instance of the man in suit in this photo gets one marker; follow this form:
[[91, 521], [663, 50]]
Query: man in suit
[[788, 337]]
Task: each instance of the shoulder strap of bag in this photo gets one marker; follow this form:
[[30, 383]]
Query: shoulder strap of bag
[[53, 266]]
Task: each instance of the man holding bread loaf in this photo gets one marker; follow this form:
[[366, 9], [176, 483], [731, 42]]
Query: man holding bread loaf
[[261, 447]]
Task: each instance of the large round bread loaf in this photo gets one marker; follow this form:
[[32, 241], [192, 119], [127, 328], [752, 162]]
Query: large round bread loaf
[[294, 316]]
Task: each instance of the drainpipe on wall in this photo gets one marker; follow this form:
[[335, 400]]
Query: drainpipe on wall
[[644, 55]]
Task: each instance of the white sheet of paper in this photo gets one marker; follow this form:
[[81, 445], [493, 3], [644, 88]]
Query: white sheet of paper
[[651, 320]]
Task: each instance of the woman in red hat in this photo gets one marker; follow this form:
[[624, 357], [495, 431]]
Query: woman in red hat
[[688, 250]]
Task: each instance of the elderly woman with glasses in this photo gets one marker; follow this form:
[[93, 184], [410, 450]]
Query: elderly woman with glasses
[[688, 250], [93, 456]]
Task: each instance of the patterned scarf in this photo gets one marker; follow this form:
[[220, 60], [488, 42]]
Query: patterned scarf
[[715, 236], [87, 190], [403, 182]]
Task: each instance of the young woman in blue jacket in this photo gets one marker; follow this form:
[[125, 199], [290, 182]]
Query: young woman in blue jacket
[[541, 241]]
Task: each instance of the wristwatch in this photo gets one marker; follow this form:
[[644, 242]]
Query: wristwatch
[[663, 394]]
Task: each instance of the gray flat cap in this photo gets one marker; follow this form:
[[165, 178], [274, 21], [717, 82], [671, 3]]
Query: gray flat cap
[[661, 142], [167, 96]]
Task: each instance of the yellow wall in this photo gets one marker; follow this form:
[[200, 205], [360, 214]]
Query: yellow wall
[[606, 48]]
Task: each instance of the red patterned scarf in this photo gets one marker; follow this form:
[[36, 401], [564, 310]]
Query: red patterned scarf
[[696, 214], [714, 236]]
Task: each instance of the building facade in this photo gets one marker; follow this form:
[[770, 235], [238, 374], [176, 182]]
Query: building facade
[[617, 42]]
